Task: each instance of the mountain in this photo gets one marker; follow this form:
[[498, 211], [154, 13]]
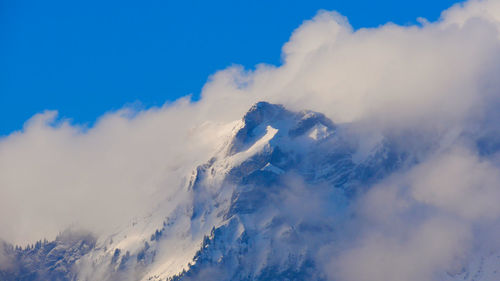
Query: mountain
[[264, 207]]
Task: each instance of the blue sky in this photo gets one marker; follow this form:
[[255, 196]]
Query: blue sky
[[84, 58]]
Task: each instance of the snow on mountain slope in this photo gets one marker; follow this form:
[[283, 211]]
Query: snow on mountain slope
[[263, 207]]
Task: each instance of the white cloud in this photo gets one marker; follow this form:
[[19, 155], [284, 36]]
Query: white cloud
[[459, 14], [414, 255], [459, 183], [393, 75], [54, 174]]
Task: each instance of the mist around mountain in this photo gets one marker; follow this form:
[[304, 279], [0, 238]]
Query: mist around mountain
[[370, 154]]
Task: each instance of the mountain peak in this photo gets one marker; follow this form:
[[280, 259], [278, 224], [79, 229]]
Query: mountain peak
[[291, 124], [261, 111]]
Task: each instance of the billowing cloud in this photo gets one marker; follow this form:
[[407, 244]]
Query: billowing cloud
[[437, 81], [55, 175], [424, 223], [393, 75]]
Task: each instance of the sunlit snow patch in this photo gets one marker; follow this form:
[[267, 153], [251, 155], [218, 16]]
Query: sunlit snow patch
[[319, 132]]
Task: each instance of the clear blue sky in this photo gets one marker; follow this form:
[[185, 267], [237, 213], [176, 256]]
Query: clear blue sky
[[84, 58]]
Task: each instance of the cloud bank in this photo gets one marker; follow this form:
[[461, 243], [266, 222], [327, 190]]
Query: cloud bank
[[437, 81]]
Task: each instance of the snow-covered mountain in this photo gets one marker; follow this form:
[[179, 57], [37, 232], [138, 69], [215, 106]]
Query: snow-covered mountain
[[264, 207]]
